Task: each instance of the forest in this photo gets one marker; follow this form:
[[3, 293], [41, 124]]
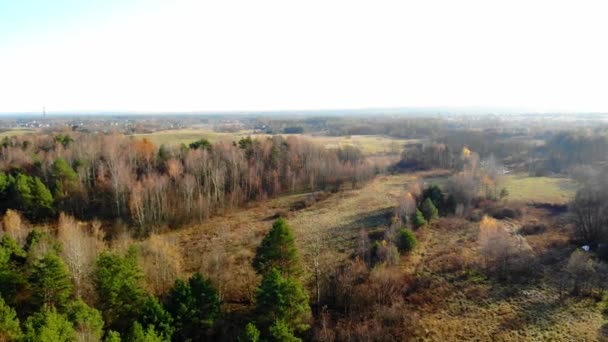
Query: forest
[[288, 234]]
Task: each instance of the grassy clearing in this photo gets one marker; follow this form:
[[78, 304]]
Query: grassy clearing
[[369, 144], [15, 132], [540, 189], [186, 136], [463, 303], [335, 222], [524, 188]]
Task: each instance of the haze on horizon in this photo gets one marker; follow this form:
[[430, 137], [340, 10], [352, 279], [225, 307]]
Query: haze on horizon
[[136, 55]]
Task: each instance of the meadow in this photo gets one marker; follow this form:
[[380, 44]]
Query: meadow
[[555, 190], [369, 144], [459, 303]]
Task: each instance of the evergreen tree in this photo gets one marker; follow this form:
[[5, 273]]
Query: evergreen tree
[[50, 282], [112, 336], [64, 179], [201, 143], [418, 219], [118, 281], [280, 332], [48, 326], [251, 333], [284, 299], [87, 321], [9, 323], [278, 250], [42, 205], [435, 194], [138, 334], [429, 210], [24, 198], [154, 314], [195, 306], [11, 280], [407, 240]]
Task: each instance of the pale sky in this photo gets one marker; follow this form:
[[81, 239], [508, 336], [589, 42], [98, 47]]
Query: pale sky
[[180, 55]]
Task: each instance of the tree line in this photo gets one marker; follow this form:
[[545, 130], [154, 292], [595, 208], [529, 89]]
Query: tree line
[[118, 177]]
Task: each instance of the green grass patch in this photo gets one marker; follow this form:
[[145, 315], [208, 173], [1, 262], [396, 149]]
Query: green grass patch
[[540, 189]]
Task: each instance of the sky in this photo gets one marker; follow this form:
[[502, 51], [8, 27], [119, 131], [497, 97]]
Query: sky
[[184, 55]]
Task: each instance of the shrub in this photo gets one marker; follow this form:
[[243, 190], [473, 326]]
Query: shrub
[[532, 229], [407, 240]]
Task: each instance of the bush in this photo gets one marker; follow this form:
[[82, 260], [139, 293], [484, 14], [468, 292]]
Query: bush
[[532, 229], [407, 240]]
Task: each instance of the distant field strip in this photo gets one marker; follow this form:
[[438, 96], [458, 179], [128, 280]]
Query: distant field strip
[[369, 144]]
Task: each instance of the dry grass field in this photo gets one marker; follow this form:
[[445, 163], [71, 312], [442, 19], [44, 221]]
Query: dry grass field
[[15, 132], [459, 302], [369, 144]]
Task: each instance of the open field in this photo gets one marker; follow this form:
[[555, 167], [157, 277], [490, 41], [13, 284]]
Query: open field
[[186, 136], [540, 189], [470, 306], [525, 188], [369, 144], [15, 132]]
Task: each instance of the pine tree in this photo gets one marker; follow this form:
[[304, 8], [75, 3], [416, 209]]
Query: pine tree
[[418, 219], [407, 240], [87, 321], [42, 205], [138, 334], [118, 281], [23, 193], [280, 332], [278, 250], [435, 194], [48, 326], [195, 306], [153, 313], [9, 323], [251, 333], [284, 299], [11, 280], [64, 179], [429, 210], [50, 282], [112, 336]]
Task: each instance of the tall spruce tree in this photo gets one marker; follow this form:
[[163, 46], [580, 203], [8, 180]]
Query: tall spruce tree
[[118, 281], [278, 251], [282, 299], [50, 282], [195, 306]]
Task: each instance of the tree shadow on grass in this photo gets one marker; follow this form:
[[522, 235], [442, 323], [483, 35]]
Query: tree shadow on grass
[[344, 236]]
